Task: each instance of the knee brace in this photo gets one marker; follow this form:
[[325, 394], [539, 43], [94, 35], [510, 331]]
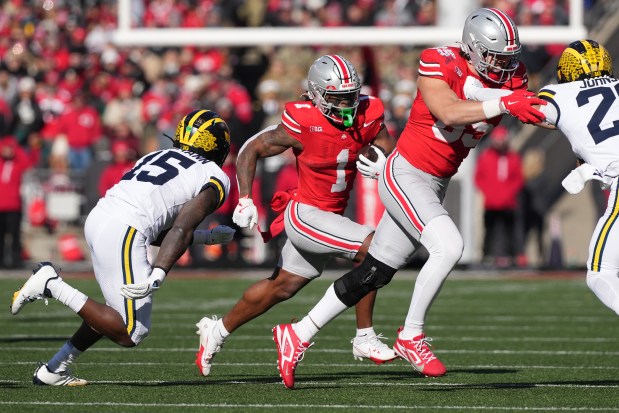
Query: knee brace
[[356, 284]]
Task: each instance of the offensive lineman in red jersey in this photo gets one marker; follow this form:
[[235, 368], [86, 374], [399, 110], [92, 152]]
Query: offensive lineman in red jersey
[[443, 126], [325, 132]]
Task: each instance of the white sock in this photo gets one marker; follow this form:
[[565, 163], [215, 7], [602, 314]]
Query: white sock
[[219, 332], [67, 295], [326, 310], [305, 329], [365, 332], [445, 245], [411, 330], [605, 285], [65, 356]]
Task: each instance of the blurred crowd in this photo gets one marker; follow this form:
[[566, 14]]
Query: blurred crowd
[[81, 110]]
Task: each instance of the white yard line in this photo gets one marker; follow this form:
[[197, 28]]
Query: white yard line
[[318, 350], [327, 337], [307, 406], [357, 364]]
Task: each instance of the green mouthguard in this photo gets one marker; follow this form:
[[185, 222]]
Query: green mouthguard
[[347, 118]]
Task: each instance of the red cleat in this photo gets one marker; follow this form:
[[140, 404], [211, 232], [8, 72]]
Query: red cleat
[[290, 351], [417, 352]]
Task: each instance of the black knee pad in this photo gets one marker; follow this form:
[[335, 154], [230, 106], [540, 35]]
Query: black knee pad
[[356, 284]]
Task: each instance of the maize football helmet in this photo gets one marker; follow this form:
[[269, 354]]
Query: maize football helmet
[[205, 133], [490, 40], [584, 59], [334, 87]]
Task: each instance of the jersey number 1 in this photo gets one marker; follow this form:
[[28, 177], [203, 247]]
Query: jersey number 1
[[340, 177]]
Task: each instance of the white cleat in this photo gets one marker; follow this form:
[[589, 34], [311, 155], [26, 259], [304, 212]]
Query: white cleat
[[208, 345], [43, 377], [36, 287], [372, 348]]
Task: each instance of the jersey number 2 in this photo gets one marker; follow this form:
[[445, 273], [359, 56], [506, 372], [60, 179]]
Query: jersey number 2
[[608, 98]]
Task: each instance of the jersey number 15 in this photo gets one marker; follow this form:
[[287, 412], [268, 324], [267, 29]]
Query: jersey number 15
[[142, 174]]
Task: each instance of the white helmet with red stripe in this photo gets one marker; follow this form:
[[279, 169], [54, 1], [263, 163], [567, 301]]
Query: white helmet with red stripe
[[490, 40], [334, 87]]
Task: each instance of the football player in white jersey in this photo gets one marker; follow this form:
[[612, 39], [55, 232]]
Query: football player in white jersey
[[159, 202], [585, 107]]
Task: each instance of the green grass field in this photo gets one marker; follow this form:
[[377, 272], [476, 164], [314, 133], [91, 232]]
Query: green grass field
[[509, 344]]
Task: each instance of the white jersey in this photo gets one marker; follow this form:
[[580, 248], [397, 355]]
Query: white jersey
[[150, 196], [587, 112]]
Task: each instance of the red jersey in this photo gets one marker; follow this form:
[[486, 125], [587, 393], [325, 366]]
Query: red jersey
[[499, 178], [112, 175], [11, 173], [81, 125], [426, 142], [326, 165]]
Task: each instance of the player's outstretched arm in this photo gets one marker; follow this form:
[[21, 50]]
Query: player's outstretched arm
[[443, 103]]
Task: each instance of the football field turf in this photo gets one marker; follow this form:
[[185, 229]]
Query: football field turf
[[538, 343]]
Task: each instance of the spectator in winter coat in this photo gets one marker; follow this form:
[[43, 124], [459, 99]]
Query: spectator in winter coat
[[499, 178], [81, 124], [14, 162], [123, 159]]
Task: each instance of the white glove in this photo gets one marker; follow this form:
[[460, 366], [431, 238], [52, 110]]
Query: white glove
[[220, 234], [245, 214], [136, 291], [371, 169]]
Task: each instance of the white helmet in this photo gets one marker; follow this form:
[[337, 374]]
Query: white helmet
[[334, 87], [490, 40]]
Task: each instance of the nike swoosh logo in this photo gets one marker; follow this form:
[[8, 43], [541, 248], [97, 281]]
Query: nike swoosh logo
[[365, 125], [417, 360], [243, 208], [509, 102]]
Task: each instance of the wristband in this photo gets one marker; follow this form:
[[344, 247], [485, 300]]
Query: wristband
[[158, 274], [492, 108]]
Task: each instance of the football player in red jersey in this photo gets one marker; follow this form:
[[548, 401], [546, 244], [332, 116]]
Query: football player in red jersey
[[443, 126], [325, 132]]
